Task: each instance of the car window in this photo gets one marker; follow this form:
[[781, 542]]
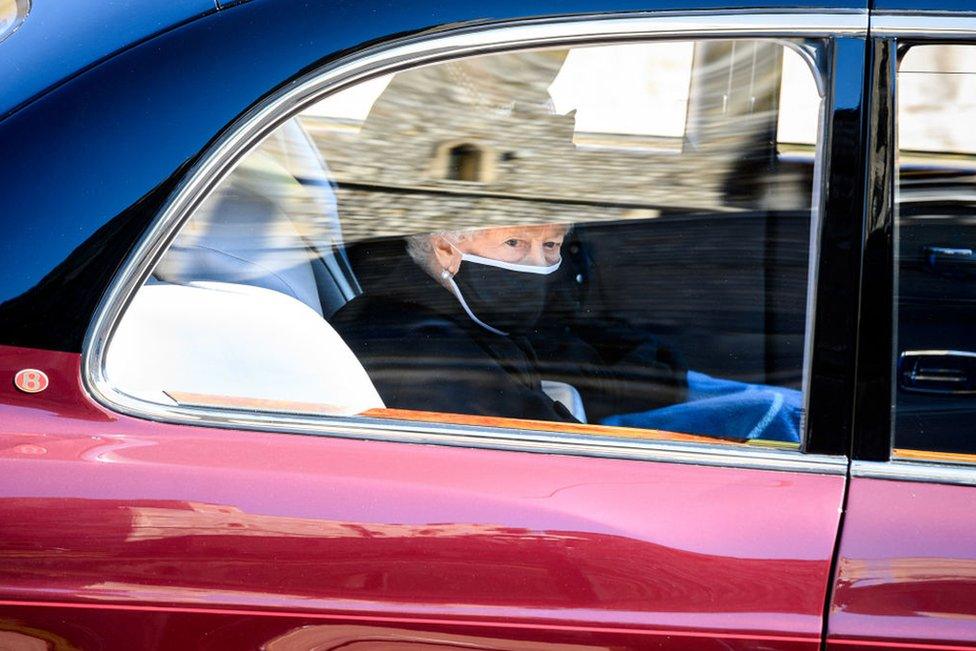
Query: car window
[[605, 240], [12, 14], [935, 244]]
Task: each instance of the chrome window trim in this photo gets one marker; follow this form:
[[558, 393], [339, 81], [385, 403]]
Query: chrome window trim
[[918, 471], [390, 57], [924, 25]]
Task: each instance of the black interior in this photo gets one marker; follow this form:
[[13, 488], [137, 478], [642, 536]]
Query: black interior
[[936, 309], [725, 291]]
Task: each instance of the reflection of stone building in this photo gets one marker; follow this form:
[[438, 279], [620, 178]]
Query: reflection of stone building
[[936, 96], [476, 142]]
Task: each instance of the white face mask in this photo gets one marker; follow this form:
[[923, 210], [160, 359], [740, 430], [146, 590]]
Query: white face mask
[[500, 296]]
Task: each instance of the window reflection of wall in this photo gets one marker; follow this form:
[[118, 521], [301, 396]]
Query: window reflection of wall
[[8, 12], [799, 104], [588, 134], [937, 99], [464, 163], [12, 13], [637, 90]]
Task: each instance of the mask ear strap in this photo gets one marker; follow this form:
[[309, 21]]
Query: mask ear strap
[[464, 304]]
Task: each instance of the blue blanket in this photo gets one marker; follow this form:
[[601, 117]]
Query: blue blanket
[[726, 408]]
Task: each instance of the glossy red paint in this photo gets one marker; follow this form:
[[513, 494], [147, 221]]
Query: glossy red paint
[[906, 574], [110, 524], [219, 629]]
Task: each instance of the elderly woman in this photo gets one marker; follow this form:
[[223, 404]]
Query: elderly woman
[[470, 323], [457, 328], [447, 331]]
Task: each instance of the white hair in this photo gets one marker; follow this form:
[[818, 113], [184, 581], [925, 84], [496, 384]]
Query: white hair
[[421, 248]]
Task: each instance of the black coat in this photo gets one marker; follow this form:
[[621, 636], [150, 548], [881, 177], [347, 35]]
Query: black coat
[[423, 352]]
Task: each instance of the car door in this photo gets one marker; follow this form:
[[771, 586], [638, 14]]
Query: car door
[[137, 512], [904, 571]]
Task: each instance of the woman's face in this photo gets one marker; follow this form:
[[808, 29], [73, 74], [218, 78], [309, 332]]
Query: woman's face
[[531, 245]]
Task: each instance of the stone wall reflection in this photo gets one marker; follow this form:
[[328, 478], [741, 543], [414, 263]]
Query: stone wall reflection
[[394, 170]]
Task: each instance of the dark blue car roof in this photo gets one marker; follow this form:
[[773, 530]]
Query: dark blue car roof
[[61, 37]]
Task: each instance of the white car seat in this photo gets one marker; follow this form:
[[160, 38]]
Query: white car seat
[[242, 234], [235, 308], [222, 340], [291, 146], [271, 223]]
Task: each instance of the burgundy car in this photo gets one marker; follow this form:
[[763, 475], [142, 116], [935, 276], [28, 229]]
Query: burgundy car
[[551, 325]]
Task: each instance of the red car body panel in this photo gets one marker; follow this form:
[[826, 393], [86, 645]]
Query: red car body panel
[[906, 573], [107, 628], [111, 524]]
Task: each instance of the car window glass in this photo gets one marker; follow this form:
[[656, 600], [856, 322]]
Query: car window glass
[[12, 14], [799, 104], [608, 240], [935, 244]]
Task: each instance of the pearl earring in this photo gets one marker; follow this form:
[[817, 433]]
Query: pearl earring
[[445, 274]]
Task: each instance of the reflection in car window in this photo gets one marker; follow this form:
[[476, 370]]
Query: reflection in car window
[[12, 14], [935, 244], [610, 239]]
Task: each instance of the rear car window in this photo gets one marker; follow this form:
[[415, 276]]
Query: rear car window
[[935, 244], [12, 14], [607, 240]]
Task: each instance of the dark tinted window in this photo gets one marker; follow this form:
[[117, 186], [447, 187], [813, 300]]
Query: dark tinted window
[[935, 374]]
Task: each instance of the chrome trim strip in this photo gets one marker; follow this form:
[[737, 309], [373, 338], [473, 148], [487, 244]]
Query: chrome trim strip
[[498, 438], [924, 26], [920, 471], [817, 207], [383, 59], [946, 353]]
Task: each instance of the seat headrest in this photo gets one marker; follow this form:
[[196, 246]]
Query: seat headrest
[[242, 234]]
